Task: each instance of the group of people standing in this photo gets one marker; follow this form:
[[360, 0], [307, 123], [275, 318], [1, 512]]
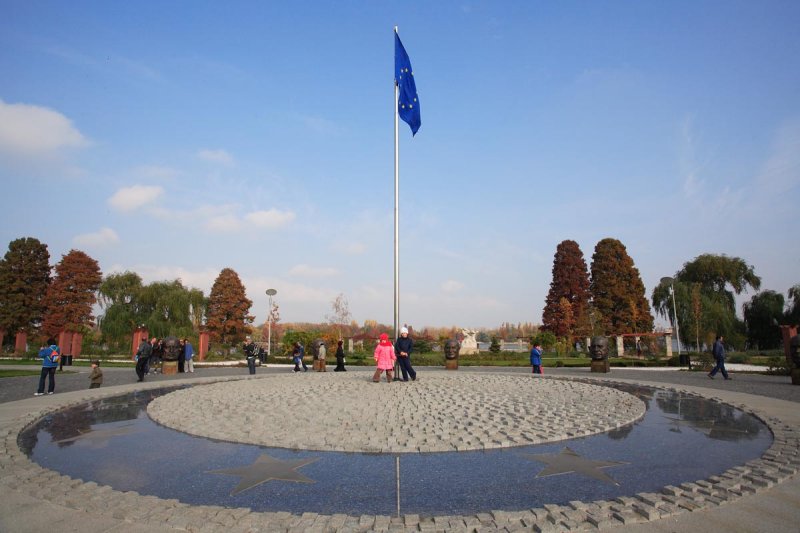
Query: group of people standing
[[386, 354], [299, 352], [150, 357]]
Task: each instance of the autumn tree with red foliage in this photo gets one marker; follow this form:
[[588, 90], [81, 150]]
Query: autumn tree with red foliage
[[72, 294], [24, 278], [227, 318], [571, 283], [617, 290]]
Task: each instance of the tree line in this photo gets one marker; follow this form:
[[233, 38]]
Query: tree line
[[43, 300], [609, 297]]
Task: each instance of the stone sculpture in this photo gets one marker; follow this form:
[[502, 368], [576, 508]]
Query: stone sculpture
[[470, 344], [598, 349], [451, 349], [172, 348]]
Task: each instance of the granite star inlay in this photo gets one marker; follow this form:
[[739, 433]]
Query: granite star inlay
[[264, 469], [569, 462]]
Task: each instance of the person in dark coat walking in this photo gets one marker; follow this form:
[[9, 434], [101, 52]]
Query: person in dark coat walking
[[143, 354], [340, 358], [718, 351]]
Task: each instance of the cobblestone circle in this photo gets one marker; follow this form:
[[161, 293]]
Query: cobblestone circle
[[346, 412]]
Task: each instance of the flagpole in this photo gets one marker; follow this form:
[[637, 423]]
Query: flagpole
[[396, 212]]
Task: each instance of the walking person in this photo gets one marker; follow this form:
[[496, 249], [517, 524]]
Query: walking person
[[384, 359], [143, 354], [297, 357], [250, 354], [340, 357], [96, 375], [49, 354], [536, 358], [718, 351], [188, 354], [402, 349], [182, 356], [322, 353]]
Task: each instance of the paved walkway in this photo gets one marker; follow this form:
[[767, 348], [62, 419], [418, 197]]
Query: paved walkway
[[763, 495]]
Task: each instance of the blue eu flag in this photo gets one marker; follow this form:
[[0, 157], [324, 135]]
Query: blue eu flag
[[408, 102]]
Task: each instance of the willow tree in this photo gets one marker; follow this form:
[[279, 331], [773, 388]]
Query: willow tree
[[762, 314], [227, 317], [24, 278], [164, 307], [72, 294], [570, 282], [119, 297], [718, 279], [793, 310], [617, 290]]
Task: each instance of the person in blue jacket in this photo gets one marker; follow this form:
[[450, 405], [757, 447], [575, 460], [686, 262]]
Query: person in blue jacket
[[718, 351], [536, 358], [49, 354]]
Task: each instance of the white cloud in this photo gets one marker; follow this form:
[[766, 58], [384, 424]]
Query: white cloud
[[224, 223], [200, 279], [155, 172], [32, 130], [354, 248], [452, 285], [271, 218], [103, 237], [307, 271], [134, 197], [216, 156]]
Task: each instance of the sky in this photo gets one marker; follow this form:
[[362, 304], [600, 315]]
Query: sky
[[175, 139]]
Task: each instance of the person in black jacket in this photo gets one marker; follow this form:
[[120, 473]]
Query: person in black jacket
[[143, 354], [250, 353], [402, 347], [340, 358]]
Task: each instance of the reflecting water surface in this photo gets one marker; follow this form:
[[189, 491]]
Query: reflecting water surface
[[113, 442]]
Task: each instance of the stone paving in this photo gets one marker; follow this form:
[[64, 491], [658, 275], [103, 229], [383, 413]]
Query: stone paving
[[107, 508], [440, 413]]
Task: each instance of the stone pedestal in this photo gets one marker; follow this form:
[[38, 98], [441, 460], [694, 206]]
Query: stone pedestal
[[77, 345], [451, 364], [204, 342], [601, 365], [316, 365], [20, 343], [169, 368], [796, 376]]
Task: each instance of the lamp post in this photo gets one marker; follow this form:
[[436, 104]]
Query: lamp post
[[674, 311], [270, 294]]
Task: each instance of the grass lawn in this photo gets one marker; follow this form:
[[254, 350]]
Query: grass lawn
[[17, 373]]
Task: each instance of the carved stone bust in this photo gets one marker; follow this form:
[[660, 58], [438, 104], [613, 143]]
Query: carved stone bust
[[172, 348], [599, 348], [451, 348]]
